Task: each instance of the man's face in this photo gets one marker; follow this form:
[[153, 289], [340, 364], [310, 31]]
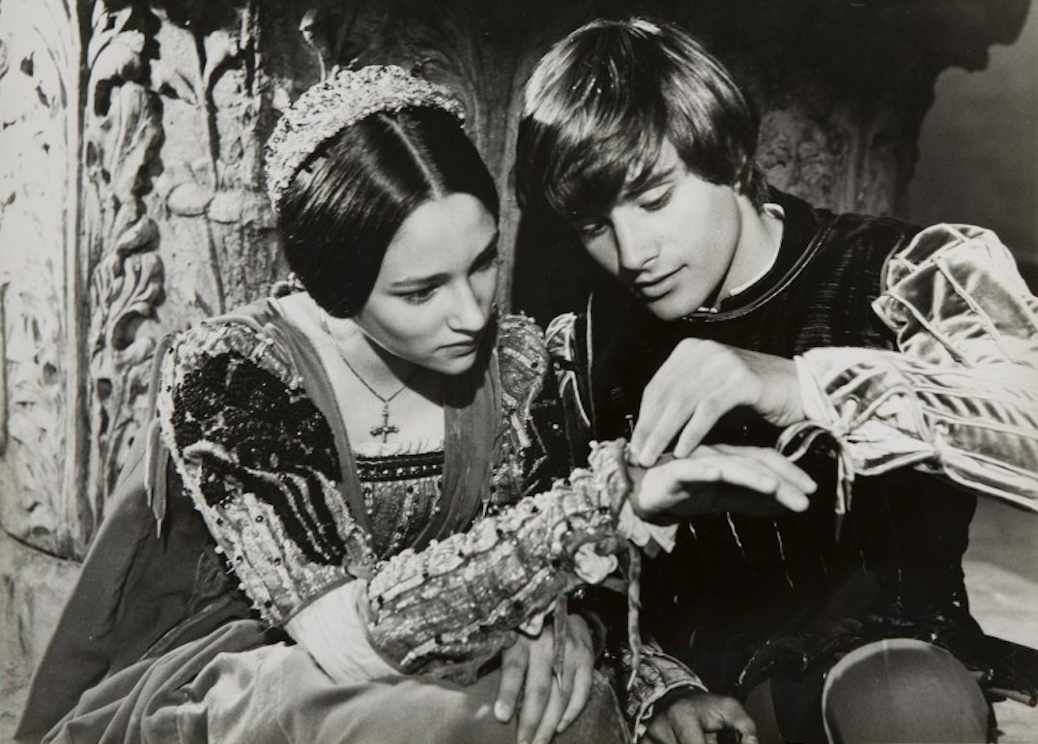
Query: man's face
[[672, 242]]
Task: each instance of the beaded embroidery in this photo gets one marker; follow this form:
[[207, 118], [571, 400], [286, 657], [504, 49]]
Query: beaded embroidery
[[259, 461]]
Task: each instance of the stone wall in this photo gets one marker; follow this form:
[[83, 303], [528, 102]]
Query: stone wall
[[131, 196]]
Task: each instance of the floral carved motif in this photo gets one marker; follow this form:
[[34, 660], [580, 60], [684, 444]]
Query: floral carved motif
[[122, 133]]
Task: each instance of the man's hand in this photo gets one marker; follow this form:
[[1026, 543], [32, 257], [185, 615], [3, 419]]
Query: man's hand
[[549, 704], [699, 718], [755, 481], [699, 383]]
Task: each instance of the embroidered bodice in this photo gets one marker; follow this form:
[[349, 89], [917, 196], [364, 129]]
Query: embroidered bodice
[[402, 488]]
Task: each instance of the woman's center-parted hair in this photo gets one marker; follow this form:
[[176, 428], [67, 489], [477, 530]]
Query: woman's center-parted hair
[[600, 105], [345, 205]]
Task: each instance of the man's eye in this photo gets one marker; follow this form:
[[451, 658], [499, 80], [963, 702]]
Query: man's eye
[[419, 296], [657, 203]]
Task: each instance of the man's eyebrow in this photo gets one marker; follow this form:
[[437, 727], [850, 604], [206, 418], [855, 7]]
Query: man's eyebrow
[[641, 184]]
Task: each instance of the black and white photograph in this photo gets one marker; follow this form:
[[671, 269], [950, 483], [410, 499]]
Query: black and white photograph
[[496, 372]]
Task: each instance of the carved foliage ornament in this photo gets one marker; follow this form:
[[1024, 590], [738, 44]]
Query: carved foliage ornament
[[123, 131]]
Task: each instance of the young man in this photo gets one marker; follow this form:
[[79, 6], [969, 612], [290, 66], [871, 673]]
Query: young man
[[742, 315]]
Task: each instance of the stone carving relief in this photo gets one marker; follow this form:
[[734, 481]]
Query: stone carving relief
[[39, 88], [122, 133], [209, 72], [195, 198]]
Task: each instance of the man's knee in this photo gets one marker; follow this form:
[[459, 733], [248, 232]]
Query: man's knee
[[902, 690]]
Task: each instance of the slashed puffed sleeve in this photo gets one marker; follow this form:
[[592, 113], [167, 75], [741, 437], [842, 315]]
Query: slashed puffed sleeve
[[959, 397], [259, 461]]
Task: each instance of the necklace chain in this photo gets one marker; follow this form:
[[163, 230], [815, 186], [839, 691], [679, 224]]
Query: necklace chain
[[385, 428]]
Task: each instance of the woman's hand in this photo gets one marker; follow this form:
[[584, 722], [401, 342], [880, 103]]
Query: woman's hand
[[698, 718], [756, 481], [699, 383], [549, 704]]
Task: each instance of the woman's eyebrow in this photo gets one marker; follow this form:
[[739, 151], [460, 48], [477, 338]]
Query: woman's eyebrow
[[415, 281], [490, 249]]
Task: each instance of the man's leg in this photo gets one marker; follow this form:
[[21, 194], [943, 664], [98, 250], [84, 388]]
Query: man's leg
[[902, 690]]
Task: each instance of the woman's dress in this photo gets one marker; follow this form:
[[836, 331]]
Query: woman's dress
[[246, 513]]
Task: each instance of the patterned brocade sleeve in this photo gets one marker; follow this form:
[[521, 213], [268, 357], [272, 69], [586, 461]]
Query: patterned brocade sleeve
[[960, 396], [259, 461]]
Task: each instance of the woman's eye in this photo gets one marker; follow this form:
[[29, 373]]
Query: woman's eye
[[592, 230], [486, 261], [419, 296]]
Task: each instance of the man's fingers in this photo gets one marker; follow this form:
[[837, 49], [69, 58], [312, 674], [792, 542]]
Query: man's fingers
[[513, 672], [655, 431], [703, 419], [553, 712]]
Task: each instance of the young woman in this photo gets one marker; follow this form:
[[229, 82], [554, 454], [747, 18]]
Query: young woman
[[354, 482]]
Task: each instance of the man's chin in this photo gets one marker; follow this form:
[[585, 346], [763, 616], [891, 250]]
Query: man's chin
[[669, 307]]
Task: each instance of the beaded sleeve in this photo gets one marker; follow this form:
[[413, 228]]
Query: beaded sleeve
[[259, 461], [446, 609], [960, 396]]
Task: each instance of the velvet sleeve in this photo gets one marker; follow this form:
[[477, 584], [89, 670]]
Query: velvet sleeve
[[259, 461]]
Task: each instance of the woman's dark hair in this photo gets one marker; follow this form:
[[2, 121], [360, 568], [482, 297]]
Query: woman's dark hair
[[342, 209], [600, 105]]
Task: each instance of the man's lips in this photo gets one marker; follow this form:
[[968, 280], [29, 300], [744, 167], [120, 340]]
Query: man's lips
[[655, 287]]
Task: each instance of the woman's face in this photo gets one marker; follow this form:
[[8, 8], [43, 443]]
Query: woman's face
[[435, 289]]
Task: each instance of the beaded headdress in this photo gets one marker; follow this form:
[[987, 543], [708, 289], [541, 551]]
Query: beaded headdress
[[341, 100]]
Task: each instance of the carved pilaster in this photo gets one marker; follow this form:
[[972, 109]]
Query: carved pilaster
[[123, 131], [211, 75], [40, 84]]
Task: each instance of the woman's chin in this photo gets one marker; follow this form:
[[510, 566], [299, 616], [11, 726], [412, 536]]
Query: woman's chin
[[453, 364]]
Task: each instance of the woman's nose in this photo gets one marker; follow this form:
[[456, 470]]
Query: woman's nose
[[469, 315]]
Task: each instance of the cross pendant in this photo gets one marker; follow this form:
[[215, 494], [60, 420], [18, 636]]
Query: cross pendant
[[386, 428]]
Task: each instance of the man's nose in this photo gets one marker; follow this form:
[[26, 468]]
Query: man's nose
[[633, 247]]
